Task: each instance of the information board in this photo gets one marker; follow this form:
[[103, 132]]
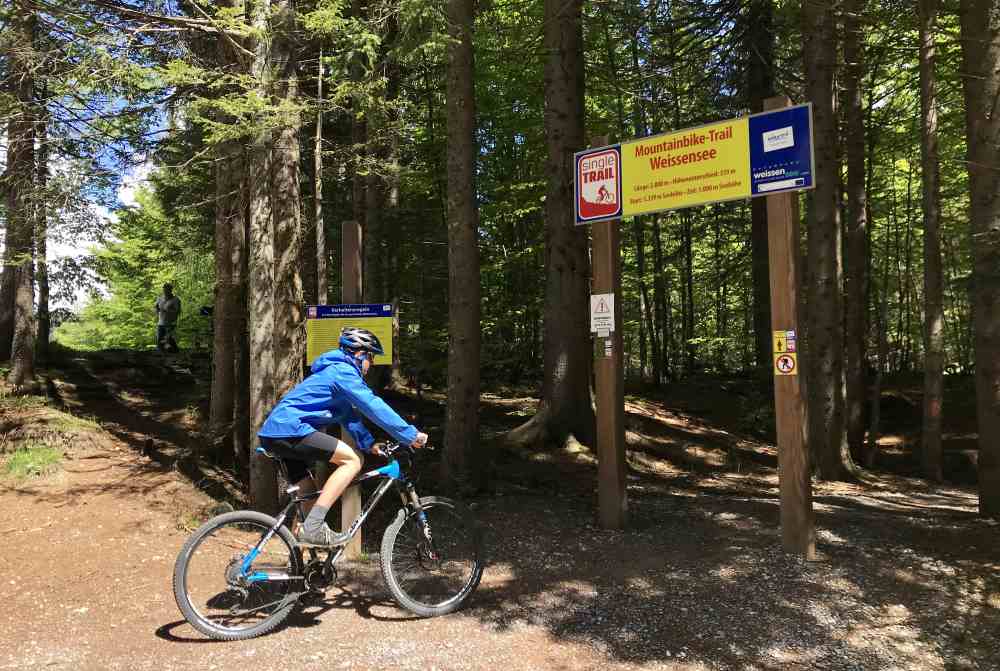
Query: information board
[[757, 155], [324, 324]]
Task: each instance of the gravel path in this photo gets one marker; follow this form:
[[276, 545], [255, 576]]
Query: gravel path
[[697, 582], [908, 577]]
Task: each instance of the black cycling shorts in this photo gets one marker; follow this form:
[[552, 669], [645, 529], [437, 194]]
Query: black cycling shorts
[[303, 452]]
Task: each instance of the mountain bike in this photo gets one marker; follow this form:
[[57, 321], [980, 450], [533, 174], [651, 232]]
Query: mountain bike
[[242, 573]]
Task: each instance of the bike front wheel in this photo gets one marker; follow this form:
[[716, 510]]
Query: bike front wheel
[[231, 584], [433, 574]]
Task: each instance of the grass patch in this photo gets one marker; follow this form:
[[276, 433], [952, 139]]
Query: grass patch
[[67, 422], [34, 460], [22, 402]]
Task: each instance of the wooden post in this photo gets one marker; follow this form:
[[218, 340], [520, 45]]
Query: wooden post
[[798, 532], [610, 379], [350, 274]]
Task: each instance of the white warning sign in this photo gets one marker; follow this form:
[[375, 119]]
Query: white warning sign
[[602, 314]]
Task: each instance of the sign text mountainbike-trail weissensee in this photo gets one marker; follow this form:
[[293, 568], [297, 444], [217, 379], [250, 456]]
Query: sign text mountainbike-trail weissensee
[[757, 155]]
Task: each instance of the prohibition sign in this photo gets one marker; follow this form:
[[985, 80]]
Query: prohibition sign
[[785, 365]]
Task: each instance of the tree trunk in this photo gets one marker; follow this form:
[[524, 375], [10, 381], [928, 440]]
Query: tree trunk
[[41, 234], [228, 304], [242, 436], [687, 242], [289, 334], [980, 20], [825, 343], [226, 317], [646, 325], [462, 422], [565, 411], [871, 453], [20, 197], [760, 86], [933, 282], [359, 138], [322, 290], [261, 289], [663, 332], [856, 263]]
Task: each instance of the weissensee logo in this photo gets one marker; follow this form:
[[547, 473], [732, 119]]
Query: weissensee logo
[[780, 138]]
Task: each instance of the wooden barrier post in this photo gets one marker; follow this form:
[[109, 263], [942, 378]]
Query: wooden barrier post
[[798, 532], [609, 376], [350, 274]]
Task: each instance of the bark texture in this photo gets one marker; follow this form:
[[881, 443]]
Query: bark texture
[[980, 21], [565, 410], [228, 301], [856, 229], [933, 281], [462, 421], [825, 340], [41, 235], [261, 288], [18, 252], [322, 289], [760, 86], [289, 334]]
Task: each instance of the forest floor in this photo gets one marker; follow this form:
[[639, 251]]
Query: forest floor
[[908, 577]]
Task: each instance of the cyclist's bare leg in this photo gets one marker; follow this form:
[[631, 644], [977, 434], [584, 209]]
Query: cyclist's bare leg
[[315, 529], [347, 464], [306, 486]]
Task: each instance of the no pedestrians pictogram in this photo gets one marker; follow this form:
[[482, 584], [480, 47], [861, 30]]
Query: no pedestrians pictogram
[[785, 364]]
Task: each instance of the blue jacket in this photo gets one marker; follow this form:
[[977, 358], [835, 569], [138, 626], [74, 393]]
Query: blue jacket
[[329, 396]]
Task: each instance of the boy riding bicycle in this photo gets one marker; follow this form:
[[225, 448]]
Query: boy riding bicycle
[[330, 396]]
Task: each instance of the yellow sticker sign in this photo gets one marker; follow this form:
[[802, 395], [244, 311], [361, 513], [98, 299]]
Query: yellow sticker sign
[[786, 364], [707, 164], [785, 341], [324, 324]]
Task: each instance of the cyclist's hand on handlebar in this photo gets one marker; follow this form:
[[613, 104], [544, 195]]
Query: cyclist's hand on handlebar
[[419, 441], [378, 449]]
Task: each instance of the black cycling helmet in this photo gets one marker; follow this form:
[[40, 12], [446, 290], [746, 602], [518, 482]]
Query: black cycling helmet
[[354, 339]]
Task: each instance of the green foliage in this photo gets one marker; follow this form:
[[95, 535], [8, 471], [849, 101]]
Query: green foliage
[[650, 68], [33, 460], [151, 251]]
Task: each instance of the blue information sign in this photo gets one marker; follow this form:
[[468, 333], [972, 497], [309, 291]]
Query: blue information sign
[[781, 157], [349, 310]]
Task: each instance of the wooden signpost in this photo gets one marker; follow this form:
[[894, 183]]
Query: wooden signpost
[[768, 154], [609, 375], [798, 533], [350, 273]]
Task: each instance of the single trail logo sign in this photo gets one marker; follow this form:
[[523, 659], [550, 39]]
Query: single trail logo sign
[[599, 184]]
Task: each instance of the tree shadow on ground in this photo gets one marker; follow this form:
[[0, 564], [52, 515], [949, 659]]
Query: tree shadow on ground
[[905, 580], [705, 580], [138, 403]]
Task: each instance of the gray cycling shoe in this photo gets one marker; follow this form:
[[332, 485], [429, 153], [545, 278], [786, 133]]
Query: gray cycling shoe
[[324, 537]]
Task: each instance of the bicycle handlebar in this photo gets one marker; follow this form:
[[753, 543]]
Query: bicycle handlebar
[[392, 447]]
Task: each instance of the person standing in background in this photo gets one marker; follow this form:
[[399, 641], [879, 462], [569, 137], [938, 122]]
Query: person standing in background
[[168, 309]]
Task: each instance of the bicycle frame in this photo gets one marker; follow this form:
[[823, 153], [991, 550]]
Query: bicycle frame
[[392, 475]]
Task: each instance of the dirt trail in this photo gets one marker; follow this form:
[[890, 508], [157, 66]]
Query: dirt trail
[[909, 578]]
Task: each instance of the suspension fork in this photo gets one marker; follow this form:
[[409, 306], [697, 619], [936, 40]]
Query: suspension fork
[[408, 493]]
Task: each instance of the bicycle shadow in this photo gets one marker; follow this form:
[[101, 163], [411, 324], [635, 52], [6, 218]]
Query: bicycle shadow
[[367, 605], [367, 601]]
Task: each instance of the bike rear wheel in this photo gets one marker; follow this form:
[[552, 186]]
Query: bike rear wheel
[[431, 578], [227, 597]]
